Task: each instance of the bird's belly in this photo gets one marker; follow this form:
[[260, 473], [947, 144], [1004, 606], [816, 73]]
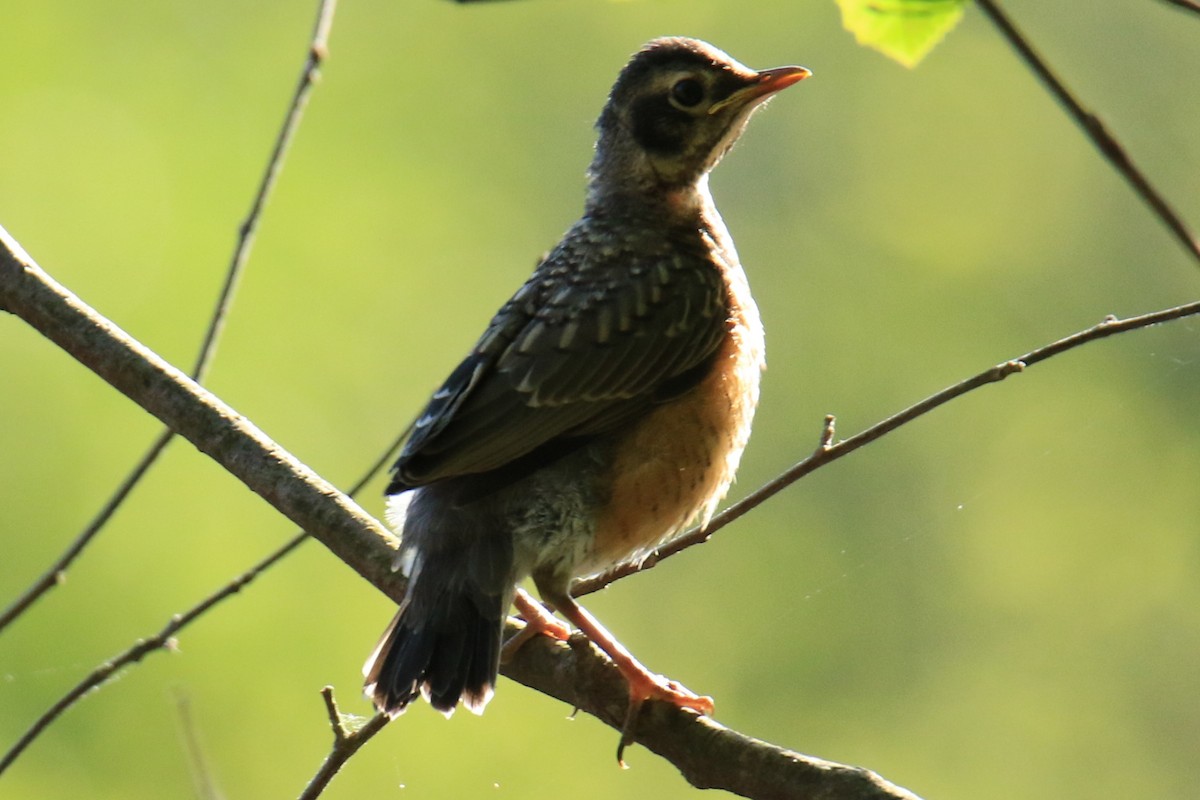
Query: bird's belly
[[676, 464]]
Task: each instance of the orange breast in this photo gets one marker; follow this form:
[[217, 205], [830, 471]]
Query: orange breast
[[676, 464]]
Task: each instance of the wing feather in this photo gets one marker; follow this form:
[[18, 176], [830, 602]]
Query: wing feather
[[587, 343]]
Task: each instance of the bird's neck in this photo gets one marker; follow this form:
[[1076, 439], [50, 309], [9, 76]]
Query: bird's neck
[[685, 204], [685, 208]]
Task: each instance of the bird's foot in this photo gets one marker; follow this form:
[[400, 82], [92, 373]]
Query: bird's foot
[[537, 621], [645, 685]]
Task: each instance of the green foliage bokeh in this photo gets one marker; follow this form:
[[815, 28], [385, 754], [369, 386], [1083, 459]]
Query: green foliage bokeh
[[1001, 600]]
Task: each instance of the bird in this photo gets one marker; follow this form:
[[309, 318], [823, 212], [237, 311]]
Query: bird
[[604, 409]]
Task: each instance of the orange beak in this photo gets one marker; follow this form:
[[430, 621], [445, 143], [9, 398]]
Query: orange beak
[[767, 82], [772, 80]]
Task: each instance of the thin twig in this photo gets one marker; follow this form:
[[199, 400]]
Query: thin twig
[[57, 571], [163, 640], [206, 787], [215, 428], [828, 451], [346, 742], [1190, 5], [1094, 127], [317, 52]]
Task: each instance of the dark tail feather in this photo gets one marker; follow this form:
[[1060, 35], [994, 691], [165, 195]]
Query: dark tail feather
[[451, 654]]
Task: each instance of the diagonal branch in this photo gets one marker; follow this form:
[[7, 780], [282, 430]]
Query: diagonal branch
[[57, 572], [1094, 127], [163, 640], [707, 754], [196, 414], [317, 52], [204, 785], [166, 638], [1189, 5], [576, 673], [828, 451], [347, 740]]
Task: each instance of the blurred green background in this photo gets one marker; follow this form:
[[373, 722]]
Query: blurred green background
[[1002, 600]]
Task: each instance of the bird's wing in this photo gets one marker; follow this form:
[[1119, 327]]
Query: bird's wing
[[578, 351]]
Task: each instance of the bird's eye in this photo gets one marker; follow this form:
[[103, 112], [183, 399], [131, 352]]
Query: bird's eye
[[687, 93]]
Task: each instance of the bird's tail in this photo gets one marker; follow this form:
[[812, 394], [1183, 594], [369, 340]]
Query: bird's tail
[[444, 644]]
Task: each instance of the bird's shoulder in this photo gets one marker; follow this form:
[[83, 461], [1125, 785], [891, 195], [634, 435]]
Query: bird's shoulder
[[611, 320], [611, 292]]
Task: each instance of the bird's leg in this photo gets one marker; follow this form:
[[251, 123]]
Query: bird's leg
[[537, 620], [643, 684]]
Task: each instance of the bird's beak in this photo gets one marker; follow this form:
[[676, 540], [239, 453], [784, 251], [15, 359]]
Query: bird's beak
[[765, 84]]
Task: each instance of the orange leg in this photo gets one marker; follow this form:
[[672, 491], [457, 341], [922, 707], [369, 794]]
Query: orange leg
[[537, 620], [643, 684]]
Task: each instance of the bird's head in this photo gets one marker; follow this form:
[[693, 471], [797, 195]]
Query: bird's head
[[675, 110]]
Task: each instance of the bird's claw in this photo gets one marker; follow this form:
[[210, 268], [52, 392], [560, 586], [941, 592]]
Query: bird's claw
[[656, 687]]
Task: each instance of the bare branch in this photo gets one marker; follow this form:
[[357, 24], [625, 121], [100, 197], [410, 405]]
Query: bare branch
[[55, 574], [317, 52], [707, 754], [195, 413], [1094, 127], [346, 742], [163, 640], [206, 787], [580, 675], [1190, 5], [828, 451]]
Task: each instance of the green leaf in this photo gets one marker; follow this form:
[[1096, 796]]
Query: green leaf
[[905, 30]]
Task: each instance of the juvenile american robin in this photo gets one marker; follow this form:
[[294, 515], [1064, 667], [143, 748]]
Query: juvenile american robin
[[604, 409]]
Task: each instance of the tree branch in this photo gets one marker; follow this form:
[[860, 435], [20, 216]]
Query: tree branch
[[317, 52], [576, 672], [205, 786], [165, 639], [579, 675], [1189, 5], [197, 415], [1094, 128], [706, 753], [56, 573], [828, 451], [347, 740]]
